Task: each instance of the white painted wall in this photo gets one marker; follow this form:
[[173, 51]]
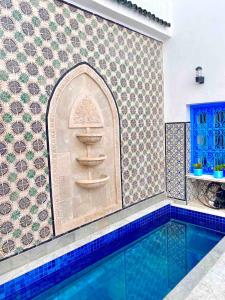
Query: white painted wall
[[111, 10], [198, 39]]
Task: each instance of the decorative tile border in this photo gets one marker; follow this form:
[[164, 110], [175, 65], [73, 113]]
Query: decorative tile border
[[176, 160], [51, 273], [188, 147]]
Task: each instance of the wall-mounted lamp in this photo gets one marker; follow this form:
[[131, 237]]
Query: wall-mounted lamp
[[199, 78]]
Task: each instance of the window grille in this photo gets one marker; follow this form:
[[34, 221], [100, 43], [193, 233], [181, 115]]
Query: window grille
[[208, 135]]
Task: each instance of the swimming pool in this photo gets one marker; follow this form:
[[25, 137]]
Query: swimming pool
[[147, 269], [143, 259]]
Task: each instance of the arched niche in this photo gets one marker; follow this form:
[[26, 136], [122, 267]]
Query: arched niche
[[84, 150]]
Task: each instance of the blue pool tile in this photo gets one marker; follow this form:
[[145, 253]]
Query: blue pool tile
[[46, 276], [31, 284], [198, 218]]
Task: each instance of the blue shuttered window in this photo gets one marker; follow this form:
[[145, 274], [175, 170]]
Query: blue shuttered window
[[208, 135]]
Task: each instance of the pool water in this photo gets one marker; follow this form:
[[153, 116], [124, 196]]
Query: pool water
[[148, 268]]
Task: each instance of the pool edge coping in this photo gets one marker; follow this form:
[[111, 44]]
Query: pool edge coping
[[28, 267], [183, 289], [213, 255]]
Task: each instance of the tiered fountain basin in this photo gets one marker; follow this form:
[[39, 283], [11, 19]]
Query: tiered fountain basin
[[91, 161], [89, 138], [93, 183]]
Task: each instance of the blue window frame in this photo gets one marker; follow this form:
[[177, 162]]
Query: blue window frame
[[208, 135]]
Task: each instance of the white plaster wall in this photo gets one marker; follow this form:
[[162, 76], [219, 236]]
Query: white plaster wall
[[198, 39]]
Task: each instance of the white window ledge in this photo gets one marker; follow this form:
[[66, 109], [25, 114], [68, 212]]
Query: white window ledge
[[206, 178]]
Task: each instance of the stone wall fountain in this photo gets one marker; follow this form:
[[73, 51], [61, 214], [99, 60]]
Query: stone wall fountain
[[89, 139], [84, 148]]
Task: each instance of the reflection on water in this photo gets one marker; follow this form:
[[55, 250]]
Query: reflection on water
[[147, 269]]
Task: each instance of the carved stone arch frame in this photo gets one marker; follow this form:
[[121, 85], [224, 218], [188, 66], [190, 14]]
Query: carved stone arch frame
[[81, 68]]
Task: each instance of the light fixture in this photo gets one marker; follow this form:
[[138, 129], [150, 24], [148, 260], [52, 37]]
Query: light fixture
[[199, 77]]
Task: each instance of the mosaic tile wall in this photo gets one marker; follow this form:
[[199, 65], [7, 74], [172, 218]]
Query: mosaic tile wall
[[191, 191], [40, 40], [188, 147], [176, 160]]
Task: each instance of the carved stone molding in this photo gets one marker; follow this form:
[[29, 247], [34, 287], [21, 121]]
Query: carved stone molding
[[85, 113]]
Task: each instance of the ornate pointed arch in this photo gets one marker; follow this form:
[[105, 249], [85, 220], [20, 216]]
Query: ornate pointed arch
[[84, 149]]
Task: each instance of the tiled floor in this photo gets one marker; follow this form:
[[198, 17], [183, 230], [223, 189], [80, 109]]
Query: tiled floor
[[198, 205], [211, 286], [206, 280]]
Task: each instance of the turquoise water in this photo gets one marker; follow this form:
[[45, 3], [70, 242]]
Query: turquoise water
[[146, 269]]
